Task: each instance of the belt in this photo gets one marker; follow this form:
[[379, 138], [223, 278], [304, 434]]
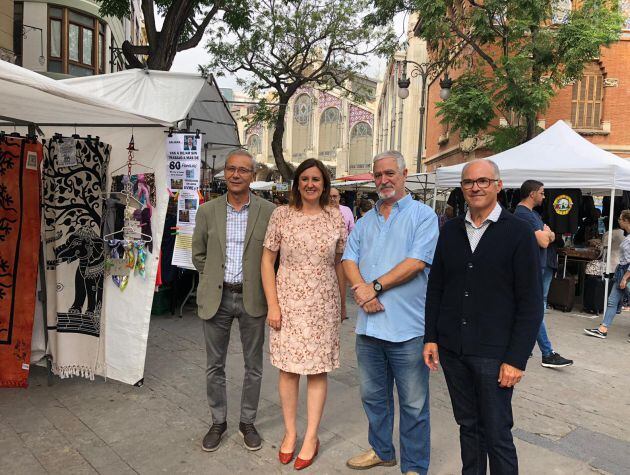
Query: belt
[[236, 288]]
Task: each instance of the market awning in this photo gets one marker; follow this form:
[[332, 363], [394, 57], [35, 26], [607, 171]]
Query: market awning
[[31, 98]]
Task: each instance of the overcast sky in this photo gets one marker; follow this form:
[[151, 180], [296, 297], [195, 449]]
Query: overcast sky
[[187, 61]]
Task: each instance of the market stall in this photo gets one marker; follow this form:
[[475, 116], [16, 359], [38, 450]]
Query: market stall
[[80, 112], [561, 159]]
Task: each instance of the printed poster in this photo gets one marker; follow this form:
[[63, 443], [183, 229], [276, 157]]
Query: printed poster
[[187, 205], [183, 162]]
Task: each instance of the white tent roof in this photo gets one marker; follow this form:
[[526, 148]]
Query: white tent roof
[[173, 98], [29, 97], [560, 158]]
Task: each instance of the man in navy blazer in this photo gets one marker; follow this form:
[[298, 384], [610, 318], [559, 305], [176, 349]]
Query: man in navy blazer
[[484, 308]]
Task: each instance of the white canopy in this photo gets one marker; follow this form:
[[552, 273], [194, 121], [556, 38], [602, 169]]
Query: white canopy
[[261, 185], [560, 158], [28, 96], [173, 98]]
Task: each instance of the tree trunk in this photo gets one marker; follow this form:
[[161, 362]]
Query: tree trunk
[[530, 131], [276, 142]]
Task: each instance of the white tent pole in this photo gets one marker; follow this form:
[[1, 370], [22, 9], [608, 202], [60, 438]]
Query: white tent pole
[[434, 191], [611, 218]]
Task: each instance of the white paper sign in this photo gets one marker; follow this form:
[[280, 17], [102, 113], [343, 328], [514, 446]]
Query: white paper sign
[[183, 162], [67, 156]]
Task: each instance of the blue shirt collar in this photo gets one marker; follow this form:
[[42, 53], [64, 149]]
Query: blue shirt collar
[[401, 203]]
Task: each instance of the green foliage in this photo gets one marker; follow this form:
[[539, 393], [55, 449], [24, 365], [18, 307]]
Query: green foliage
[[469, 107], [525, 46], [295, 43], [505, 138]]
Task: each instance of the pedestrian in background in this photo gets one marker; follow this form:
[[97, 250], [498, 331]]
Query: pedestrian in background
[[346, 212], [484, 310], [304, 300], [619, 283], [532, 195]]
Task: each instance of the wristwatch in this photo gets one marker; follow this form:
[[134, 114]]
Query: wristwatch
[[378, 288]]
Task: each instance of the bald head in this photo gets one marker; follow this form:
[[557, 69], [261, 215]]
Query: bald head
[[488, 166]]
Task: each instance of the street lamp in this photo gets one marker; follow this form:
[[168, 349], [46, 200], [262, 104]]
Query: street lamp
[[424, 70]]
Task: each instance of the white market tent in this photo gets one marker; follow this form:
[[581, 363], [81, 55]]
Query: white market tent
[[53, 106], [559, 157], [419, 183], [187, 100]]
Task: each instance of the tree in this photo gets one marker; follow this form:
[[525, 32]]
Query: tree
[[521, 53], [185, 22], [295, 43]]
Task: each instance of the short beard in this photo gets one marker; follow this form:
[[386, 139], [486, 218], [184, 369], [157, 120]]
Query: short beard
[[386, 193]]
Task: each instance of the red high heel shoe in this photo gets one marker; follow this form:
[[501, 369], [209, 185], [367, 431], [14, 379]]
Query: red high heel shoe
[[285, 457], [301, 464]]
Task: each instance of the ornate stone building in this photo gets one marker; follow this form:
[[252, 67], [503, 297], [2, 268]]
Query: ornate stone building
[[398, 120], [319, 124]]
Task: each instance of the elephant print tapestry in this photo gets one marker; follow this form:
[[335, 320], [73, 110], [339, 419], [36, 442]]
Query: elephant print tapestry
[[74, 176], [19, 255]]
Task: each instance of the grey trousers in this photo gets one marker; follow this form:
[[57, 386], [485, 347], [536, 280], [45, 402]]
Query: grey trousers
[[217, 335]]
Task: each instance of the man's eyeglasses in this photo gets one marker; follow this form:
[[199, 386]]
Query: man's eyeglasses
[[240, 170], [481, 183]]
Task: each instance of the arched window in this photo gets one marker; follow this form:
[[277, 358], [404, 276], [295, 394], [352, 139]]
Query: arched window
[[302, 126], [329, 133], [254, 145], [587, 99], [360, 148]]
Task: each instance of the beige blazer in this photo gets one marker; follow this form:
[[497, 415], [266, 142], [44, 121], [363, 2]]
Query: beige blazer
[[208, 255]]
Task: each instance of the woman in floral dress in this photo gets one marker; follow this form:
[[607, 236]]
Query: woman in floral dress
[[305, 300]]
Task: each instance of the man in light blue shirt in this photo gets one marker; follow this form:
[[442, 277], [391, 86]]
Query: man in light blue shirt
[[387, 261]]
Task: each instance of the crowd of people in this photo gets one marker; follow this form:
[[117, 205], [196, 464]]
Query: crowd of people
[[465, 293]]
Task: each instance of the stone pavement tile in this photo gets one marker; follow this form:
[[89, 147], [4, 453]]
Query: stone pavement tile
[[168, 451], [15, 457], [55, 453]]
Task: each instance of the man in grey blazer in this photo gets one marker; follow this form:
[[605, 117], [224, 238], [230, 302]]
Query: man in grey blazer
[[226, 250]]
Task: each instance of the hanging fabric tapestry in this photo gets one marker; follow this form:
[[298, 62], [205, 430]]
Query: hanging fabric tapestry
[[75, 176], [19, 255]]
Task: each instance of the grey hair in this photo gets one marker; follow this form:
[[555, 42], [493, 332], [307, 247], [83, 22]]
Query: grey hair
[[495, 167], [243, 152], [400, 160]]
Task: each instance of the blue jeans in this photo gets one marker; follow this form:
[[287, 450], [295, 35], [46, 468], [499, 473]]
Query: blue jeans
[[543, 340], [483, 411], [614, 300], [381, 363]]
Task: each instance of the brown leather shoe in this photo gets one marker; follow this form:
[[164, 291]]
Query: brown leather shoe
[[367, 460]]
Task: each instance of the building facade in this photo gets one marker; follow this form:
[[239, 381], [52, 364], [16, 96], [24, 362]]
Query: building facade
[[68, 38], [398, 120], [319, 124], [6, 31], [596, 107]]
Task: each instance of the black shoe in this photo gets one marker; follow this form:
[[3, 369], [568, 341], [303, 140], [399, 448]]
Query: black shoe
[[213, 438], [250, 436], [596, 333], [554, 360]]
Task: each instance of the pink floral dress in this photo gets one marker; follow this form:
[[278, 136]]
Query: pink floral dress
[[308, 291]]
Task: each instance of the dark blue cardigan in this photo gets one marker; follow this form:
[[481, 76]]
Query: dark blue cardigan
[[487, 303]]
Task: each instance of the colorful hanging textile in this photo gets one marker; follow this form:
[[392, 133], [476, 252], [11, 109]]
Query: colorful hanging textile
[[143, 189], [74, 176], [19, 255]]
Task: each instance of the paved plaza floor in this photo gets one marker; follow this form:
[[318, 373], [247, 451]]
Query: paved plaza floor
[[570, 421]]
